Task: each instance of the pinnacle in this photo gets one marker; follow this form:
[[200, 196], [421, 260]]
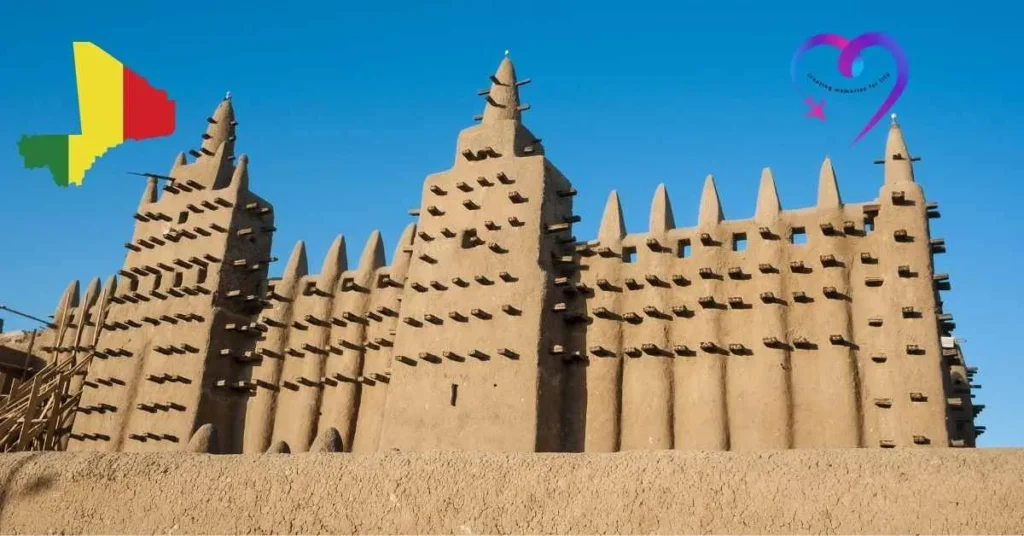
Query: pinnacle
[[898, 167], [613, 227], [662, 219], [334, 264], [221, 129], [149, 195], [503, 97], [297, 266], [710, 205], [828, 186], [768, 204], [372, 257]]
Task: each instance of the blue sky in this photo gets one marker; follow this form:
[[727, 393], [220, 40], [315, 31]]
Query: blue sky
[[345, 107]]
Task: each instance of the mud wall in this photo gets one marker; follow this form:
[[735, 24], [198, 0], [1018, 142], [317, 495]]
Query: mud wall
[[796, 491]]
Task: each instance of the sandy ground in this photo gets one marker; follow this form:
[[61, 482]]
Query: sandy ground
[[802, 491]]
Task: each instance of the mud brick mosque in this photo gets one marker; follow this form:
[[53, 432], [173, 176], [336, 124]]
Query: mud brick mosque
[[492, 327]]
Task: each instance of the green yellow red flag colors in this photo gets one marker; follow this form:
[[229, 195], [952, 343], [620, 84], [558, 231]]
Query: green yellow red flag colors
[[115, 104]]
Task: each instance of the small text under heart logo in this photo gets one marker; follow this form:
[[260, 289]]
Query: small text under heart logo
[[850, 64]]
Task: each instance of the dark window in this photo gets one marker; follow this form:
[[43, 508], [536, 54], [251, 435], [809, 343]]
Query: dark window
[[629, 255], [683, 248], [799, 236], [739, 242], [183, 217]]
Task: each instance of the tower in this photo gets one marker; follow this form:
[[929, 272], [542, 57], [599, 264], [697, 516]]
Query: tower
[[479, 344], [907, 384], [183, 305]]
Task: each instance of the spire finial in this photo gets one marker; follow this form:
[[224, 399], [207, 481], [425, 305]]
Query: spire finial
[[893, 118], [710, 213], [503, 96], [768, 205], [828, 186], [221, 128], [898, 167], [662, 220], [506, 52]]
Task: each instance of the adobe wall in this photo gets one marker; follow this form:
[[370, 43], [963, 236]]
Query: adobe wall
[[797, 491]]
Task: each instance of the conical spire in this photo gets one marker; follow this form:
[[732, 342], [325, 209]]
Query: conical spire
[[149, 196], [613, 227], [92, 293], [221, 129], [661, 212], [898, 167], [179, 161], [335, 263], [503, 98], [768, 205], [710, 206], [297, 266], [828, 188], [240, 177], [373, 253], [400, 260], [108, 291], [67, 300]]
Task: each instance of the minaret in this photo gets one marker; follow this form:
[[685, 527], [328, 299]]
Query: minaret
[[915, 370], [191, 286], [481, 340]]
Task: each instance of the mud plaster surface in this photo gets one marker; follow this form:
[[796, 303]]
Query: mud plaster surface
[[798, 491]]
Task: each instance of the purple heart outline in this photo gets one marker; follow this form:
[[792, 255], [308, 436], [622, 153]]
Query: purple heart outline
[[849, 51]]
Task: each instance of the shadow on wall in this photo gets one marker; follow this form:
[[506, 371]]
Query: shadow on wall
[[574, 394]]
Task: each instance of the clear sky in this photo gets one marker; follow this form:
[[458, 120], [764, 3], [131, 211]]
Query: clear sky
[[345, 107]]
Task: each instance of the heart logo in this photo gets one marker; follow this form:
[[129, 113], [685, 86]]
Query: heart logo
[[849, 60]]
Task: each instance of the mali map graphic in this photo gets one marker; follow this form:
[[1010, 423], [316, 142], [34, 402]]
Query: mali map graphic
[[114, 104]]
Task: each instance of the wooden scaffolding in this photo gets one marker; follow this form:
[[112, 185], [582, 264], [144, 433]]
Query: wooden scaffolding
[[40, 410]]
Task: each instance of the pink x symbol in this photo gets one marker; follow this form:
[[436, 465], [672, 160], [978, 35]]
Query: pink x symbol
[[817, 110]]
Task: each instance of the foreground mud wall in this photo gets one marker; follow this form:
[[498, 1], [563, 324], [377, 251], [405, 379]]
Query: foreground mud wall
[[800, 491]]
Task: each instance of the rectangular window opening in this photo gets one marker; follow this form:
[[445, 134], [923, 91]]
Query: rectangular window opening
[[455, 393], [869, 225], [739, 242], [798, 236], [629, 255], [683, 249]]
